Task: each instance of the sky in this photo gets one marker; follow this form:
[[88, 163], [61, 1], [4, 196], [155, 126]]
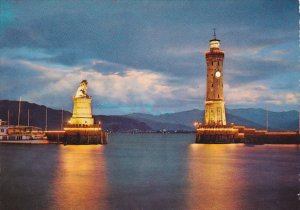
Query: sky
[[149, 56]]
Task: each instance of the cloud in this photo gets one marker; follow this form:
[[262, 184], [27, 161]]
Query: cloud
[[259, 95], [134, 87], [146, 55], [284, 99], [279, 52]]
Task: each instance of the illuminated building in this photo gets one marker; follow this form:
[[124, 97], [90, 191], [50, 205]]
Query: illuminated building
[[214, 104], [215, 129]]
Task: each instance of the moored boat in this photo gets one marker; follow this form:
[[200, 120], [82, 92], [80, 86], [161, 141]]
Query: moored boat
[[19, 132]]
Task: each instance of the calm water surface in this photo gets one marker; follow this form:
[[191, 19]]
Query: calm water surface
[[150, 171]]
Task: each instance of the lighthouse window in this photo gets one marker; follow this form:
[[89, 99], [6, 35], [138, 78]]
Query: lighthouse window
[[212, 85], [218, 96], [218, 63], [212, 63]]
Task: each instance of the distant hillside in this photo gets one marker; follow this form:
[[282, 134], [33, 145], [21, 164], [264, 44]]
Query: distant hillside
[[186, 119], [38, 115], [174, 121], [255, 118], [237, 120], [277, 120], [121, 124], [157, 125]]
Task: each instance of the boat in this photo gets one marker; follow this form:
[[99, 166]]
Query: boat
[[20, 132]]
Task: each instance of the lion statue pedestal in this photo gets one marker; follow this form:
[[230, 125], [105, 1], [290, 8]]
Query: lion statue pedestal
[[81, 128], [82, 111]]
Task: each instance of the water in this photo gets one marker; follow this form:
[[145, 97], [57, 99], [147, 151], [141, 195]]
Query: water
[[150, 171]]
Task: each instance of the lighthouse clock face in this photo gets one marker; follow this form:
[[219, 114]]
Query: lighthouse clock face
[[218, 73]]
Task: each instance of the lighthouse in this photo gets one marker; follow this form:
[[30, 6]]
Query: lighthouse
[[214, 129], [214, 104]]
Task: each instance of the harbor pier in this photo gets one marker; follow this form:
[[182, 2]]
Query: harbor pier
[[92, 134], [242, 134], [217, 134]]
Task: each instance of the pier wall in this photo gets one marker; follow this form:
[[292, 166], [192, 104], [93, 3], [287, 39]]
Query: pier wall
[[85, 137], [78, 137], [242, 134]]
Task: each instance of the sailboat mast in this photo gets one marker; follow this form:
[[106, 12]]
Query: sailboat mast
[[62, 119], [46, 126], [28, 121], [8, 117], [267, 120], [19, 113], [299, 121]]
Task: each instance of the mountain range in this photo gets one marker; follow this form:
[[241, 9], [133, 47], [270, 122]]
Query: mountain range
[[250, 117]]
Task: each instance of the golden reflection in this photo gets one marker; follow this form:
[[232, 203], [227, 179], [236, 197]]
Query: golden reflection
[[214, 181], [81, 181]]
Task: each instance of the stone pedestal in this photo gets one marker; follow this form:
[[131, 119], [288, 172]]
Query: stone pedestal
[[82, 111]]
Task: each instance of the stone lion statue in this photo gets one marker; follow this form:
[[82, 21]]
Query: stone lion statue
[[82, 89]]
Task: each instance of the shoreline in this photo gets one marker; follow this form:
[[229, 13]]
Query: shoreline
[[28, 142]]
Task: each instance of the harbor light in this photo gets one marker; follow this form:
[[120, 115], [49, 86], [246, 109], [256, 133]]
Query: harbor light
[[197, 124]]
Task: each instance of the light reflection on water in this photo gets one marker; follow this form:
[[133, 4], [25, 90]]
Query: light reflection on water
[[214, 182], [239, 176], [80, 181], [149, 172]]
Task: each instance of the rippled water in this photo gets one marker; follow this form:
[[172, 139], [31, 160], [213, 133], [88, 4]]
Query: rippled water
[[150, 171]]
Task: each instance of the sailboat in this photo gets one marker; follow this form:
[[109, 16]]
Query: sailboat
[[20, 132]]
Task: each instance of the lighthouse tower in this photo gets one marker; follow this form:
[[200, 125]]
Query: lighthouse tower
[[214, 104]]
